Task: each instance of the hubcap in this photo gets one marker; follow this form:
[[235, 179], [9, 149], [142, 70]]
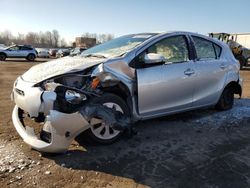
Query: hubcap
[[103, 130]]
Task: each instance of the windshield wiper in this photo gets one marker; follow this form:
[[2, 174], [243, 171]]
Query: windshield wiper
[[95, 55]]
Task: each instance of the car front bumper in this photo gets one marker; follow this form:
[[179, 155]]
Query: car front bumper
[[63, 127]]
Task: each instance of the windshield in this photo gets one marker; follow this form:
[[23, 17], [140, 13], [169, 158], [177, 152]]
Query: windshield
[[118, 46]]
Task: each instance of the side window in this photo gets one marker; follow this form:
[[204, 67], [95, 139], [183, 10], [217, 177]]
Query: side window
[[206, 49], [25, 48], [13, 48], [217, 50], [174, 49]]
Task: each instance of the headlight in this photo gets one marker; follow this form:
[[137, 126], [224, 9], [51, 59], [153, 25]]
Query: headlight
[[74, 97]]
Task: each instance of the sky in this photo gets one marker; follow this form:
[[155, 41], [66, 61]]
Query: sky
[[75, 17]]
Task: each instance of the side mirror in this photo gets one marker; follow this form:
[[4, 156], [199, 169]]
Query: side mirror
[[154, 58]]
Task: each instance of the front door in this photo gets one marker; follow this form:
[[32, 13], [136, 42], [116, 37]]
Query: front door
[[167, 87], [13, 51]]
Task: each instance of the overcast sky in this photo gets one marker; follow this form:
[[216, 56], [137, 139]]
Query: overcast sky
[[74, 17]]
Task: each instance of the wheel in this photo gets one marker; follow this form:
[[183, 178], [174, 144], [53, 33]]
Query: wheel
[[31, 57], [226, 100], [2, 57], [102, 133]]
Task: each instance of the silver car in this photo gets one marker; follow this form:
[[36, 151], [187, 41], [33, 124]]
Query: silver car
[[109, 87], [18, 51]]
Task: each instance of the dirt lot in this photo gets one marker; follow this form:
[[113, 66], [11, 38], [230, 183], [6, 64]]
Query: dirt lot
[[203, 148]]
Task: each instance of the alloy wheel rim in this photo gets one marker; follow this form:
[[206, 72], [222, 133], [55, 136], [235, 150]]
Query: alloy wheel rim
[[104, 131]]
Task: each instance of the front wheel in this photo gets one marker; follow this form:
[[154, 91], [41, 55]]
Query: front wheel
[[2, 57], [31, 57], [226, 100], [102, 133]]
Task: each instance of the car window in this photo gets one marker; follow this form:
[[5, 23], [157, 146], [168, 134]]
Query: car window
[[25, 48], [13, 48], [217, 50], [206, 49], [174, 49]]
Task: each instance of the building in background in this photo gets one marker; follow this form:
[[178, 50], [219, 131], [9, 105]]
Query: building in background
[[84, 42]]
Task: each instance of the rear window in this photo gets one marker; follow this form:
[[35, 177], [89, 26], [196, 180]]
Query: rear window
[[217, 50], [25, 48], [206, 49]]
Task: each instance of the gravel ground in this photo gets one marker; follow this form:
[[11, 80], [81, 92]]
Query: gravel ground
[[202, 148]]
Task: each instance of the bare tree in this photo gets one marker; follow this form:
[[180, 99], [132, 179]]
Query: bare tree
[[32, 38], [56, 37], [99, 37], [63, 43], [7, 37], [49, 38]]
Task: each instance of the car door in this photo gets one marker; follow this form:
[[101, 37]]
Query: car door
[[24, 51], [13, 51], [211, 71], [168, 87]]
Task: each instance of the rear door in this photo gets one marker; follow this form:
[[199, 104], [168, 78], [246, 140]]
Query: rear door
[[210, 72], [167, 87], [24, 51]]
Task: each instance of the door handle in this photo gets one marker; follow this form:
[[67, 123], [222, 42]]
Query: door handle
[[189, 72], [223, 66]]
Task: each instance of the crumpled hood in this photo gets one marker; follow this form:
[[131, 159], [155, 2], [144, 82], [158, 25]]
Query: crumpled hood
[[60, 66]]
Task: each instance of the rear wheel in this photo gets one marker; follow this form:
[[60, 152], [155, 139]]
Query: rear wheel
[[31, 57], [102, 133], [2, 57], [226, 100]]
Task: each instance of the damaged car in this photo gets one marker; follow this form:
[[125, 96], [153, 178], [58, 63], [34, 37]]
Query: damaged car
[[109, 87]]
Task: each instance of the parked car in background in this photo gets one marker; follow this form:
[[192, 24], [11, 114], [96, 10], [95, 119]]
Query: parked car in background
[[77, 51], [112, 85], [52, 52], [18, 51], [43, 53], [62, 53]]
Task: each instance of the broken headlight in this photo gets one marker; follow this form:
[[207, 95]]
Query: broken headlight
[[74, 97]]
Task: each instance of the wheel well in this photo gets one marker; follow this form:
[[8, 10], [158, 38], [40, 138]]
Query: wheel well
[[236, 87], [122, 91], [2, 53], [31, 54]]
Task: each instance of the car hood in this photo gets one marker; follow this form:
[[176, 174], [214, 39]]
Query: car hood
[[60, 66]]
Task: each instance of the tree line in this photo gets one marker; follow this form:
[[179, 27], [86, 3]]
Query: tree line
[[100, 38], [47, 39]]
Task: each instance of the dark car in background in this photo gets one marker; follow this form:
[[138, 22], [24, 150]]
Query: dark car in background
[[77, 51], [62, 53], [52, 52]]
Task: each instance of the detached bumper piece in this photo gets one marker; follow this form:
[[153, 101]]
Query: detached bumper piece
[[60, 128]]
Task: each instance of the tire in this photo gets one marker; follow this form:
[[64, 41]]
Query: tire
[[31, 57], [226, 100], [2, 57], [98, 135]]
